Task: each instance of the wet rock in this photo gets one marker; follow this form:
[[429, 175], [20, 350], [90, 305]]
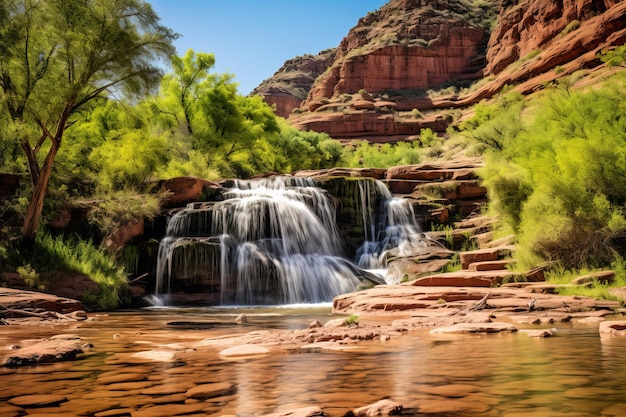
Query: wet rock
[[315, 324], [28, 401], [300, 412], [169, 410], [540, 332], [617, 328], [496, 327], [242, 318], [155, 355], [245, 350], [206, 391], [379, 409], [54, 349], [451, 390]]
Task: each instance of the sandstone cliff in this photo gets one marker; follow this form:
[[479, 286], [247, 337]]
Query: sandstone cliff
[[376, 85], [291, 83]]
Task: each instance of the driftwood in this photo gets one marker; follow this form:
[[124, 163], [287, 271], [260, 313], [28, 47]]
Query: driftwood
[[139, 278], [44, 314], [478, 305]]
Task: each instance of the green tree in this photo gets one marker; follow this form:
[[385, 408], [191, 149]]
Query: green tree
[[56, 58], [205, 110]]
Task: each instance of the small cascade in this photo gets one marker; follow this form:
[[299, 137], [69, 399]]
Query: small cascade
[[276, 241], [393, 231]]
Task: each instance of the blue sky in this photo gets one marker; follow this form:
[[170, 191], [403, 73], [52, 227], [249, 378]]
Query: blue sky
[[251, 39]]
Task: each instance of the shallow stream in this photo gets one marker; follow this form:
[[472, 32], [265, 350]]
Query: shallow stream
[[575, 374]]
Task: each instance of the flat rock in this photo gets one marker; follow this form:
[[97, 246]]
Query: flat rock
[[495, 327], [28, 401], [169, 410], [14, 299], [299, 412], [539, 332], [245, 350], [451, 390], [54, 349], [206, 391], [617, 328]]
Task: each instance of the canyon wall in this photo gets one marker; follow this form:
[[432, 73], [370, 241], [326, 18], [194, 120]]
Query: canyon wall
[[399, 52]]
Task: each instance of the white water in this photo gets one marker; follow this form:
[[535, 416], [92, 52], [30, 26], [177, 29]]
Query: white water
[[275, 241], [394, 232]]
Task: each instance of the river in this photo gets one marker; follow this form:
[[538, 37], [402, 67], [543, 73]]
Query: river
[[577, 373]]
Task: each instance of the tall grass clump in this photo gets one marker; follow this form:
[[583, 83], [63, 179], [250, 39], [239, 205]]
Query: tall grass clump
[[51, 256]]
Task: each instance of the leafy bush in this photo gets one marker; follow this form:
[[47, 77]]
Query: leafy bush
[[555, 171], [380, 156]]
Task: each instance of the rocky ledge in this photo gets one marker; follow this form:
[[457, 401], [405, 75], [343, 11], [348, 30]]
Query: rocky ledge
[[30, 307]]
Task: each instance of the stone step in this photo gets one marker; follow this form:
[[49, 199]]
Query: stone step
[[490, 265], [467, 279], [488, 254]]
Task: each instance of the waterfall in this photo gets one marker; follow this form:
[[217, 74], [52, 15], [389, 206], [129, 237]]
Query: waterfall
[[276, 241], [392, 232]]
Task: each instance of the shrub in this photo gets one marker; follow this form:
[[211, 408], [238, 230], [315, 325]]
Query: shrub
[[555, 171]]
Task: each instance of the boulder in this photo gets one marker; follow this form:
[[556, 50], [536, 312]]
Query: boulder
[[182, 190]]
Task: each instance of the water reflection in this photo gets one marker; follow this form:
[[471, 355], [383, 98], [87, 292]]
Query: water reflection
[[576, 373]]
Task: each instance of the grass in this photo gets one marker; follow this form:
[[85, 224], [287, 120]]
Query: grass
[[54, 255], [597, 290]]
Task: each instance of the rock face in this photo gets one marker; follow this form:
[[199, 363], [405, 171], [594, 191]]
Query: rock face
[[527, 27], [291, 83], [409, 46]]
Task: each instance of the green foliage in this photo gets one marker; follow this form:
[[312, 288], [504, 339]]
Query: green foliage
[[352, 319], [123, 207], [57, 59], [571, 26], [598, 290], [555, 176], [54, 254], [380, 156], [615, 57], [31, 277]]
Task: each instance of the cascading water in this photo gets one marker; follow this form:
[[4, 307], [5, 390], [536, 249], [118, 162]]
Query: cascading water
[[393, 230], [276, 241]]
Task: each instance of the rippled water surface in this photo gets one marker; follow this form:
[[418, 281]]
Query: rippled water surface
[[576, 373]]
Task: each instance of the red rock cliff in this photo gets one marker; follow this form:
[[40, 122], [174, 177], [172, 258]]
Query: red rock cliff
[[291, 83], [528, 27], [407, 44]]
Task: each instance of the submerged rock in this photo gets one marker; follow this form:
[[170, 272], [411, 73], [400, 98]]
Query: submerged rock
[[476, 328], [300, 412]]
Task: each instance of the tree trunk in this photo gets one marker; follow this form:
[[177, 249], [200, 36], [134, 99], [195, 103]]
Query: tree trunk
[[40, 188]]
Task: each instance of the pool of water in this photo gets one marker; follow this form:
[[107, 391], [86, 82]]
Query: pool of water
[[575, 373]]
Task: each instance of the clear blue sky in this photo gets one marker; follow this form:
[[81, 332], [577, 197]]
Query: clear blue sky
[[251, 39]]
